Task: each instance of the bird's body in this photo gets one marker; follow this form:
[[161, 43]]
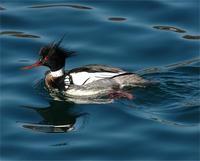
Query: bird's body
[[90, 81]]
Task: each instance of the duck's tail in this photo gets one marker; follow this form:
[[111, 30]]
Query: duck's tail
[[131, 79]]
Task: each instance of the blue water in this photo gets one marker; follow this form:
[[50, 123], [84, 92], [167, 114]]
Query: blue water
[[157, 39]]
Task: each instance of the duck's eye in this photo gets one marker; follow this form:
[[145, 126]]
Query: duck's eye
[[46, 58]]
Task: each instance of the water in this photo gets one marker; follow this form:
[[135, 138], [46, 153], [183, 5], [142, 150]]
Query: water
[[157, 39]]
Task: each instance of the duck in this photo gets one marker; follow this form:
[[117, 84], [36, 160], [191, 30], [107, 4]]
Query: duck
[[89, 81]]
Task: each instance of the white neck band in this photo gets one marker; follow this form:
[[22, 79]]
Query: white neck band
[[58, 73]]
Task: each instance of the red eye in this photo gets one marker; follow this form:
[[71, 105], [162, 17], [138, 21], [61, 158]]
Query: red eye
[[46, 58]]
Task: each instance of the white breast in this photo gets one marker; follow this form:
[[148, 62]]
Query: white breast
[[85, 77]]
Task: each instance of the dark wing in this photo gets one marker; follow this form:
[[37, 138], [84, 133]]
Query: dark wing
[[96, 68]]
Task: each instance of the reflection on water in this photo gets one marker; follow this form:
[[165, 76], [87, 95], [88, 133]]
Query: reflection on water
[[56, 118], [2, 8], [76, 6], [170, 28], [18, 34], [176, 29], [59, 144], [191, 37], [116, 18]]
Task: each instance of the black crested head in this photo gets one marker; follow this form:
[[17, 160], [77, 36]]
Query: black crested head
[[53, 55]]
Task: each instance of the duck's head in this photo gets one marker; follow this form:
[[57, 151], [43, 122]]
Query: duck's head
[[52, 56]]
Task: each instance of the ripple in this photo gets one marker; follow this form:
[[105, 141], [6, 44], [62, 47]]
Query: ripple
[[18, 34], [169, 28], [76, 6], [59, 144], [2, 8], [191, 37], [169, 67], [116, 18], [178, 84], [183, 63], [10, 32]]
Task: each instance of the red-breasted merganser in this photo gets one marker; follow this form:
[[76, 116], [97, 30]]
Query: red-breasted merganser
[[87, 81]]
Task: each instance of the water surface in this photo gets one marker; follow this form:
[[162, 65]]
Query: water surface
[[157, 39]]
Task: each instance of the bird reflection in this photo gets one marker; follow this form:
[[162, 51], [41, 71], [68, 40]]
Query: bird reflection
[[56, 118]]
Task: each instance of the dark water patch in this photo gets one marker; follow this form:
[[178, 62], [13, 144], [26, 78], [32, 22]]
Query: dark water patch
[[116, 18], [18, 34], [12, 22], [191, 37], [169, 28], [59, 144], [76, 6], [2, 8]]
